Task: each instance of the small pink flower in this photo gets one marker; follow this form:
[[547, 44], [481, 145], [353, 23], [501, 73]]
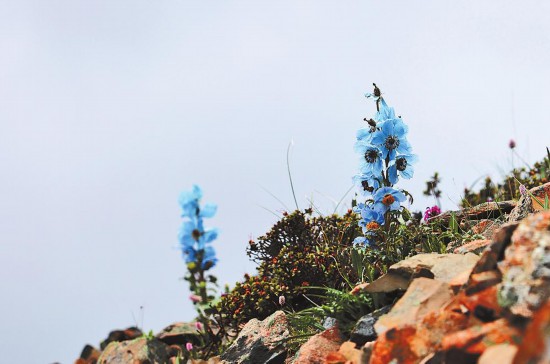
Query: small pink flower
[[512, 144], [194, 298], [189, 346], [489, 199], [282, 300], [198, 326], [431, 212]]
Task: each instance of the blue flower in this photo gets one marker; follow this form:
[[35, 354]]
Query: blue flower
[[189, 202], [391, 138], [388, 198], [192, 232], [402, 165], [371, 159], [209, 258], [371, 220], [366, 183], [386, 112]]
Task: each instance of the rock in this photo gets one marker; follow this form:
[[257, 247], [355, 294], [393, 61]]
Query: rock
[[121, 335], [443, 267], [318, 347], [495, 252], [535, 346], [487, 210], [212, 360], [480, 281], [137, 351], [476, 247], [501, 354], [89, 355], [486, 227], [179, 333], [394, 346], [527, 205], [260, 342], [364, 328], [329, 322], [423, 296], [476, 339], [349, 351], [526, 268]]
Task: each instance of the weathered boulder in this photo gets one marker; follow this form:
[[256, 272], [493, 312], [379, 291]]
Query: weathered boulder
[[260, 342], [137, 351]]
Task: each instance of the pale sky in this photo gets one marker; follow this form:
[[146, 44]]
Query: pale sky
[[108, 109]]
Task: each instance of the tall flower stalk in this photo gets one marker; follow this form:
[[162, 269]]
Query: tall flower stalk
[[385, 157], [195, 244]]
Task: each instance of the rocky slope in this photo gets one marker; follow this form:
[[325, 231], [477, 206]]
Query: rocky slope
[[487, 301]]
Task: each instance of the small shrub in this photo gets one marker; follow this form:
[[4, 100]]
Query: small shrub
[[300, 251]]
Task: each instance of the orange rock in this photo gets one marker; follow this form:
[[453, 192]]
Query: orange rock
[[394, 345], [335, 357], [476, 247], [525, 271], [423, 296], [476, 339], [319, 346], [534, 344]]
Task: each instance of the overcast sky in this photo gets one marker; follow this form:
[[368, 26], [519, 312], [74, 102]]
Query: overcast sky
[[110, 108]]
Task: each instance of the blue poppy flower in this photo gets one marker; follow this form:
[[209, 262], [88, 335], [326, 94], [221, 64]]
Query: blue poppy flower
[[385, 113], [402, 165], [371, 220], [371, 159], [366, 183], [388, 198], [192, 232], [209, 258], [391, 138], [189, 202]]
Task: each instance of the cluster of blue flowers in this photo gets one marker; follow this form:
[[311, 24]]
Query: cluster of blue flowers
[[386, 155], [194, 238]]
